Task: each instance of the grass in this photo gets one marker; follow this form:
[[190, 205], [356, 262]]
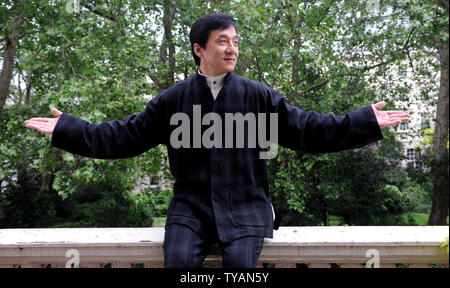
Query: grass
[[335, 221], [420, 219]]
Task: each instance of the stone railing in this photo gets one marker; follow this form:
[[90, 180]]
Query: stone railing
[[338, 246]]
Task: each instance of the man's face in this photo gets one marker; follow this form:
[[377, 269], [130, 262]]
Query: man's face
[[221, 53]]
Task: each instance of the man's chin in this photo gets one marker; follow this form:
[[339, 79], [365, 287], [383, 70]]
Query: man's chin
[[229, 69]]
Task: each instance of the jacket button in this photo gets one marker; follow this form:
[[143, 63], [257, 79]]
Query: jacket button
[[215, 197], [215, 169]]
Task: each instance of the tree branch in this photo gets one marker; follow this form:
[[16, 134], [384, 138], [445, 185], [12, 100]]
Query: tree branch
[[324, 13], [431, 53], [444, 4], [316, 86], [358, 71], [70, 44], [27, 33], [68, 60], [99, 13]]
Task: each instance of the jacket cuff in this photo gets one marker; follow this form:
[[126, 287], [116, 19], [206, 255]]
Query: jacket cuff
[[67, 132], [366, 123]]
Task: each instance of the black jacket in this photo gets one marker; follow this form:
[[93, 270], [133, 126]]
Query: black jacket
[[226, 187]]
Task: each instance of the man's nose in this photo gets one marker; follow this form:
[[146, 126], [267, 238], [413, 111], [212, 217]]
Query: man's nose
[[231, 47]]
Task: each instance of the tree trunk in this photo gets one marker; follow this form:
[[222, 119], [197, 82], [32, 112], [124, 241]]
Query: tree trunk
[[296, 61], [296, 23], [28, 87], [19, 91], [440, 169], [8, 61], [168, 45], [46, 181]]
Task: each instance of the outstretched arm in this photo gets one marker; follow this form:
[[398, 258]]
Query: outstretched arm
[[44, 125], [108, 140], [388, 118], [313, 132]]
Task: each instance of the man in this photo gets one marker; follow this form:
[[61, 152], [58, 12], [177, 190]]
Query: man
[[221, 191]]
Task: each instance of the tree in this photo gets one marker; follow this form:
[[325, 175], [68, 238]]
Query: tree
[[108, 59], [439, 208], [88, 64], [11, 39], [430, 20]]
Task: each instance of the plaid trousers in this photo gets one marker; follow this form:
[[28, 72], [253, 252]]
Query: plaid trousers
[[184, 248]]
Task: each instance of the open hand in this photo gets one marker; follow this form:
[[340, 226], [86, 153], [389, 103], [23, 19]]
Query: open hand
[[44, 125], [388, 118]]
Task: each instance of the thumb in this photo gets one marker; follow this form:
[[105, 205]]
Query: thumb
[[56, 112], [380, 105]]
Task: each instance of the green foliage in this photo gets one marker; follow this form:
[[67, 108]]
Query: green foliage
[[106, 62], [395, 200], [355, 185], [107, 204], [445, 244], [158, 199], [24, 204], [419, 197]]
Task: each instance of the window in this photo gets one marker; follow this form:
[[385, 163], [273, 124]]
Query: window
[[423, 67], [425, 93], [404, 126], [425, 123], [413, 157]]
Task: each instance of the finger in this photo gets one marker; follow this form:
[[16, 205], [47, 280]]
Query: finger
[[379, 104], [56, 112], [41, 128], [38, 120], [398, 121], [393, 113], [35, 126], [395, 122], [399, 117], [389, 123]]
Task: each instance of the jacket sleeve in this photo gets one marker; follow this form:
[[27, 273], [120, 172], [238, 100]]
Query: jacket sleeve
[[111, 139], [313, 132]]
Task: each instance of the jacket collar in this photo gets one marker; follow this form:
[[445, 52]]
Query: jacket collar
[[202, 79]]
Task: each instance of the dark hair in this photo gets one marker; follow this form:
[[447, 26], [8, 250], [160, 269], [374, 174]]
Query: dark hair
[[201, 29]]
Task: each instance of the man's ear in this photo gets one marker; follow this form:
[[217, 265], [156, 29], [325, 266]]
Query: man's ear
[[198, 50]]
